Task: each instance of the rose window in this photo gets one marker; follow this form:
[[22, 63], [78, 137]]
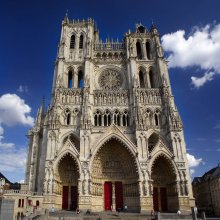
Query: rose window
[[110, 79]]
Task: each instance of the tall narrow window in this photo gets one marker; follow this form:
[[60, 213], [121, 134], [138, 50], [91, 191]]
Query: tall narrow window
[[124, 120], [80, 80], [68, 119], [139, 53], [100, 120], [81, 42], [72, 42], [109, 120], [141, 79], [148, 50], [70, 79], [96, 120], [22, 205], [151, 76], [156, 119]]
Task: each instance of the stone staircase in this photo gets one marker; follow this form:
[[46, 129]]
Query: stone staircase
[[70, 215]]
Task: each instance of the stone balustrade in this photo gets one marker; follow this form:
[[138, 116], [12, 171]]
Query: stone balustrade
[[20, 192], [149, 96], [68, 96], [108, 98], [109, 46]]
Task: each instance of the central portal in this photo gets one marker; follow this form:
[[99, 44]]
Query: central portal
[[115, 178], [108, 195]]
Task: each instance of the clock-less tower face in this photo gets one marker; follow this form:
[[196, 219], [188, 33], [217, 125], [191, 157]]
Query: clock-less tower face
[[110, 79]]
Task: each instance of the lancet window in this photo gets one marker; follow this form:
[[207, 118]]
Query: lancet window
[[80, 79], [70, 79], [152, 81], [72, 42], [152, 141], [141, 79], [139, 52], [98, 118], [81, 42], [68, 117], [157, 117], [106, 118], [148, 50]]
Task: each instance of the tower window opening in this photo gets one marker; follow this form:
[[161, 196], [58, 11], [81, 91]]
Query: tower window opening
[[151, 76], [100, 121], [124, 120], [109, 120], [148, 50], [139, 52], [70, 79], [118, 120], [128, 120], [96, 120], [80, 80], [141, 79], [81, 42], [72, 42], [19, 203], [68, 118], [156, 119]]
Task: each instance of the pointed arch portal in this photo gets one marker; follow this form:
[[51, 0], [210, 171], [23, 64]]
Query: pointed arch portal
[[115, 177], [165, 194], [67, 176]]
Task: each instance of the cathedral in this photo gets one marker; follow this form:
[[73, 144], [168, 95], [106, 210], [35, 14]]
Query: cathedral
[[112, 136]]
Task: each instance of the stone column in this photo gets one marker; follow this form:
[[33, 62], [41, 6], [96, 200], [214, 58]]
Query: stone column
[[144, 52], [75, 80], [113, 197]]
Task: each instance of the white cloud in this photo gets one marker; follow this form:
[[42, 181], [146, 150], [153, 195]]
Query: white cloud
[[12, 159], [192, 171], [13, 111], [200, 81], [22, 89], [200, 49], [193, 162]]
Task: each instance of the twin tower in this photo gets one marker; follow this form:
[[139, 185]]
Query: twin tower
[[112, 136]]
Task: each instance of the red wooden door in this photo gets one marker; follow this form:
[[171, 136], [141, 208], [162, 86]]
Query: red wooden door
[[108, 195], [155, 199], [163, 199], [65, 197], [119, 196], [74, 197]]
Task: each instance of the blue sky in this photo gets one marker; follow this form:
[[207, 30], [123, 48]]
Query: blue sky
[[30, 32]]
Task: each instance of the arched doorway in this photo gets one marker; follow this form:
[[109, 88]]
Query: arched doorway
[[115, 178], [165, 195], [67, 179]]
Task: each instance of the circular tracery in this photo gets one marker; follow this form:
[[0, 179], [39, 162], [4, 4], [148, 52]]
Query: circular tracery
[[110, 79]]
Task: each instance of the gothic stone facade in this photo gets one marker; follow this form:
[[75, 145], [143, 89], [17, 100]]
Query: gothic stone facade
[[112, 136]]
